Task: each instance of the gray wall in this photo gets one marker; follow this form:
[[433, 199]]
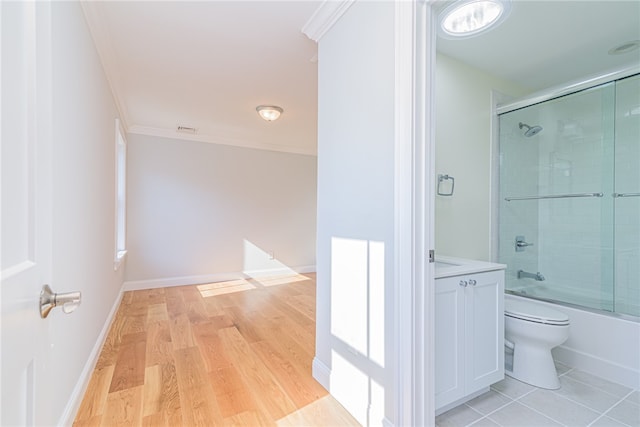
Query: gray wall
[[199, 211]]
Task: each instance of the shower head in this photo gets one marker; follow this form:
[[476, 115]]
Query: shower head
[[531, 130]]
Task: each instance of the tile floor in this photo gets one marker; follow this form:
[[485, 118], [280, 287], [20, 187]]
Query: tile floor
[[583, 400]]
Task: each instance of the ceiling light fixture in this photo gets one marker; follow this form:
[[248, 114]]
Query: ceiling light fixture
[[625, 47], [269, 112], [466, 18]]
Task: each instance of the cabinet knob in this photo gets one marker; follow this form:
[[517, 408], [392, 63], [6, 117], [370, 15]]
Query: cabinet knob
[[472, 282], [463, 283]]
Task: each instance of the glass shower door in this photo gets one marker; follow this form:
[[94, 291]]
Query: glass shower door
[[555, 197], [627, 197]]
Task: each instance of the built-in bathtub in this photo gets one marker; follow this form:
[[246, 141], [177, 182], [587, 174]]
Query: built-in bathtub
[[603, 345]]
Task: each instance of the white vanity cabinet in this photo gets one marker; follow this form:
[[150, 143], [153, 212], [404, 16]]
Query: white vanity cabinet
[[469, 335]]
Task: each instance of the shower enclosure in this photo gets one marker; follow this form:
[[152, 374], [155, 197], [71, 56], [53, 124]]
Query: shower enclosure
[[569, 201]]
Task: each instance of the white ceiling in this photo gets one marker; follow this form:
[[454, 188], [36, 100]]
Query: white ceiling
[[548, 43], [208, 65]]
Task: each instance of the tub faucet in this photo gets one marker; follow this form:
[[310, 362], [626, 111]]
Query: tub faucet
[[535, 276]]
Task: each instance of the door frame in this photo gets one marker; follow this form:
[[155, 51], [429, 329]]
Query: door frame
[[414, 206]]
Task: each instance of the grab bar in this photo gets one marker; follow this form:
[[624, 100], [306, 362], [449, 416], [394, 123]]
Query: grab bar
[[558, 196], [626, 195]]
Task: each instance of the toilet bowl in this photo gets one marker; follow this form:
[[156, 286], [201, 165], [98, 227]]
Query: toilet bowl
[[531, 331]]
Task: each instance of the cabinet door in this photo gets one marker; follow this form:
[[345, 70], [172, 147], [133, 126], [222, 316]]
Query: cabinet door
[[449, 341], [484, 330]]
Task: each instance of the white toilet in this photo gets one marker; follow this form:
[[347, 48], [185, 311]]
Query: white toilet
[[531, 331]]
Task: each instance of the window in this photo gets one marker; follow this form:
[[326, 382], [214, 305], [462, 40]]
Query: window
[[121, 194]]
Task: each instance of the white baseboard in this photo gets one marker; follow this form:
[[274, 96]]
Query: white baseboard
[[73, 404], [167, 282], [597, 366], [280, 271], [135, 285], [321, 373]]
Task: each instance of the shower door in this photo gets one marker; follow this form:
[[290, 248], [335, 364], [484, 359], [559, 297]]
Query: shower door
[[556, 206], [627, 197]]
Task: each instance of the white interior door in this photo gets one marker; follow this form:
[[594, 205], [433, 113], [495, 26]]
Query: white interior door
[[25, 254]]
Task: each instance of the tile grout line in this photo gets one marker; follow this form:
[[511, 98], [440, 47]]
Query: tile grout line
[[487, 415], [604, 414], [600, 415], [512, 400], [492, 412], [543, 414], [519, 397], [582, 404], [603, 391]]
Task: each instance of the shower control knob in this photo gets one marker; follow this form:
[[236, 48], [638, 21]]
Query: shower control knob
[[463, 283]]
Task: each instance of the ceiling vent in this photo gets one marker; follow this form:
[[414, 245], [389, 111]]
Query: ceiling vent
[[187, 129]]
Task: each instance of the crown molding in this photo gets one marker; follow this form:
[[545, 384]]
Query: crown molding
[[325, 16], [106, 53], [211, 139]]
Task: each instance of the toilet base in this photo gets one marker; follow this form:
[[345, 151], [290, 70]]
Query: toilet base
[[534, 365]]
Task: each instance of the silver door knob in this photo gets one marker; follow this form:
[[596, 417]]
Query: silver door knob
[[49, 300]]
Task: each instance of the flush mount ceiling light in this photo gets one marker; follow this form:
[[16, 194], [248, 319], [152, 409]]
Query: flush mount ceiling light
[[269, 112], [466, 18], [625, 47]]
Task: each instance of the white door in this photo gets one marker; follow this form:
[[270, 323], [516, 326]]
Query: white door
[[25, 255]]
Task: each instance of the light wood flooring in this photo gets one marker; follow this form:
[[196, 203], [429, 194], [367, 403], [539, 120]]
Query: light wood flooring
[[228, 353]]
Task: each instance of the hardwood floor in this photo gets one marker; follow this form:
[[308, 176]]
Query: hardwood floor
[[228, 353]]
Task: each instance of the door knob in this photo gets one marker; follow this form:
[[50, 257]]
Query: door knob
[[48, 300]]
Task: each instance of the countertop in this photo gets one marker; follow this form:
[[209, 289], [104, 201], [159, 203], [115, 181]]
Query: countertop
[[449, 266]]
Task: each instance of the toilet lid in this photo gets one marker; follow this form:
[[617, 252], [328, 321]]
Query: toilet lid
[[534, 312]]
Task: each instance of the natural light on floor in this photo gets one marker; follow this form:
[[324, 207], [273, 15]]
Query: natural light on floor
[[265, 268], [221, 288]]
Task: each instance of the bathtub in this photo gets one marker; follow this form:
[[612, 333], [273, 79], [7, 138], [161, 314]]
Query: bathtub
[[601, 344]]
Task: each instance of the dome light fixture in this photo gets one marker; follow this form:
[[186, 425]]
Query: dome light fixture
[[269, 112], [466, 18], [625, 47]]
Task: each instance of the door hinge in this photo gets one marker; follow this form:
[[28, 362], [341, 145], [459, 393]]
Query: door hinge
[[432, 255]]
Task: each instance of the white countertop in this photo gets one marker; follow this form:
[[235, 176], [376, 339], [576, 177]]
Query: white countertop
[[449, 266]]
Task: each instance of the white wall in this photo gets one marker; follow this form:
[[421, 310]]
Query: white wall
[[200, 212], [463, 150], [84, 116], [355, 248]]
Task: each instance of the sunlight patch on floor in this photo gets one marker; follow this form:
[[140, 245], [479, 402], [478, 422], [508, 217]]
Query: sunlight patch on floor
[[323, 412], [221, 288]]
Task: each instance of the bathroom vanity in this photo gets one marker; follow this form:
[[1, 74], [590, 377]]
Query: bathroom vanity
[[469, 329]]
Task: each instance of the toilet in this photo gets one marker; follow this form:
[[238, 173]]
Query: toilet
[[531, 331]]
